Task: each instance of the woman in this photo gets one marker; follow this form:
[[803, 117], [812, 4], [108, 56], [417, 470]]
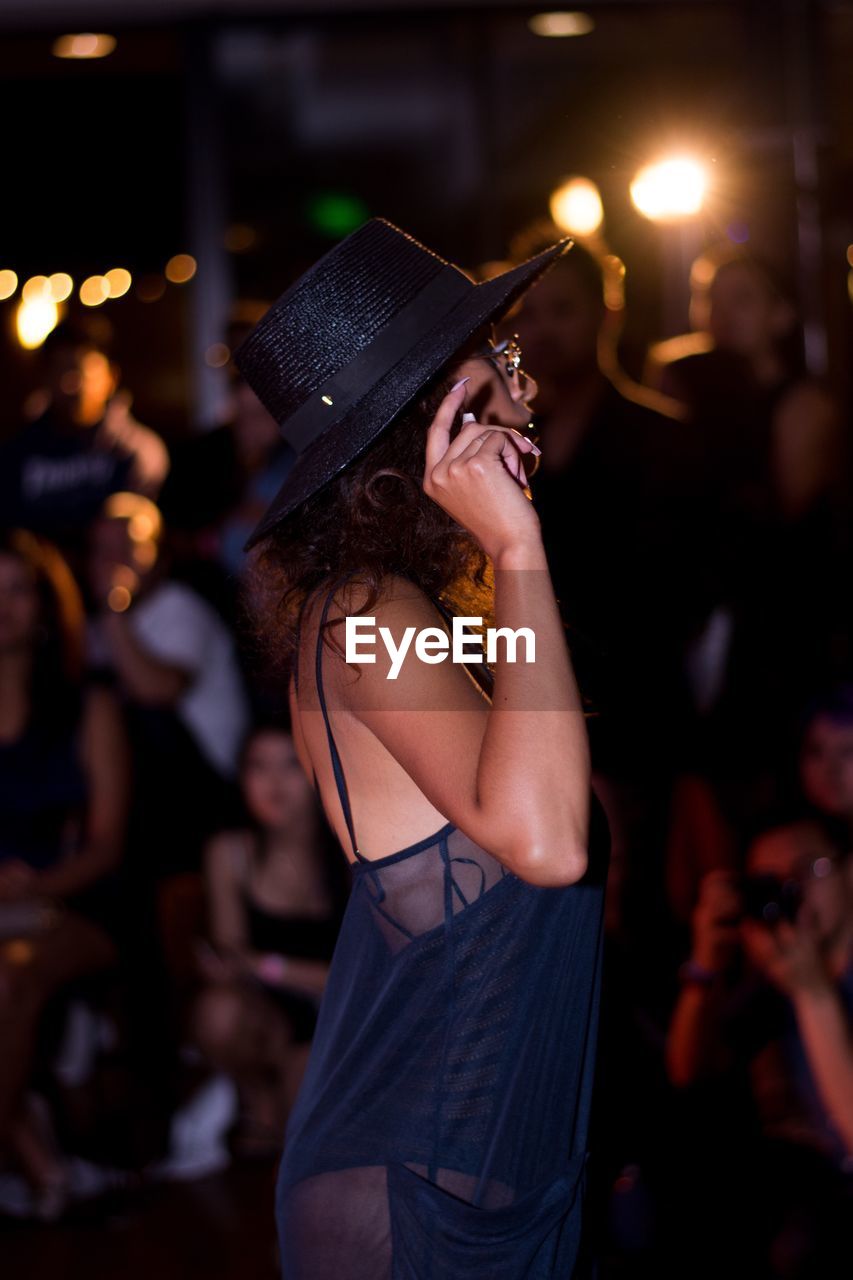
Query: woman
[[63, 800], [440, 1129], [275, 899]]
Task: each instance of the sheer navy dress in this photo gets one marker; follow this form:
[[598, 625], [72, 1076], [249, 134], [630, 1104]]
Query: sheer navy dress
[[440, 1130]]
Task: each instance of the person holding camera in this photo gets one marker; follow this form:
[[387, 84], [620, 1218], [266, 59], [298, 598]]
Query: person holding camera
[[767, 997], [792, 923]]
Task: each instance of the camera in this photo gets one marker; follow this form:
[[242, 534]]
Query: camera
[[769, 899]]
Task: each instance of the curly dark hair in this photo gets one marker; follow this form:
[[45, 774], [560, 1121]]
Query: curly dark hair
[[372, 520], [56, 679]]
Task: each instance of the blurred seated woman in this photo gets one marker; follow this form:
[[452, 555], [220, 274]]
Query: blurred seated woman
[[276, 893], [63, 799]]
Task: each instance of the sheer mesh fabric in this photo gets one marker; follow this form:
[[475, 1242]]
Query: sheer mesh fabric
[[440, 1130]]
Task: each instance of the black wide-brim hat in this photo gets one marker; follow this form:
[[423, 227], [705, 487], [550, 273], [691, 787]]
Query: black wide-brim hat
[[351, 343]]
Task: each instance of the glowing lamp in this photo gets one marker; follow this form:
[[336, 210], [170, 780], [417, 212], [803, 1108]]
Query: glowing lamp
[[560, 25], [576, 207], [670, 189]]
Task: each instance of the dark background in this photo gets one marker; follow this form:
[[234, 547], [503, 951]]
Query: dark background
[[454, 121]]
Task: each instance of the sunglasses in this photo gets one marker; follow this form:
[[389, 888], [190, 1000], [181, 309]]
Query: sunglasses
[[506, 355]]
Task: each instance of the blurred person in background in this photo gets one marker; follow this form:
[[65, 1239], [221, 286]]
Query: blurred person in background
[[64, 781], [774, 428], [82, 445], [773, 485], [276, 890], [244, 463], [614, 496], [766, 1007], [175, 665]]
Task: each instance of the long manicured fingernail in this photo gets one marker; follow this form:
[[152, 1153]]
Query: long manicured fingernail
[[460, 383], [469, 417], [534, 447]]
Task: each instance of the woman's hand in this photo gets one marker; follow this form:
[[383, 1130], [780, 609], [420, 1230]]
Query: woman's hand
[[789, 955], [715, 921], [478, 478]]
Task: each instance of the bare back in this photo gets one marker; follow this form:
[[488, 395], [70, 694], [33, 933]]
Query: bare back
[[389, 809]]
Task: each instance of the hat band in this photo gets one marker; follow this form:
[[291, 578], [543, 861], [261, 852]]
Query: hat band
[[330, 401]]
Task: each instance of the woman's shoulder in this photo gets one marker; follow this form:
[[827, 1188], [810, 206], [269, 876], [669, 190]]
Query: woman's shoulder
[[385, 618]]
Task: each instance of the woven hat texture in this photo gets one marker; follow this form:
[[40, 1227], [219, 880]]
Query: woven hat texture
[[351, 343]]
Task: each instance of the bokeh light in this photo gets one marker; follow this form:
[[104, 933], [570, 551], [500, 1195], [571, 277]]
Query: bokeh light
[[84, 44], [561, 24], [60, 285], [336, 214], [576, 207], [144, 528], [36, 287], [119, 598], [118, 282], [217, 355], [94, 290], [670, 189], [34, 319], [180, 268], [8, 283]]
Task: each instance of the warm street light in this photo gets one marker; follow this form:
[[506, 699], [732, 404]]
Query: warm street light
[[576, 207], [670, 189]]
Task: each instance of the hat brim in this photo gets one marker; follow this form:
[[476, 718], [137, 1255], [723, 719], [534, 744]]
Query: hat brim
[[348, 438]]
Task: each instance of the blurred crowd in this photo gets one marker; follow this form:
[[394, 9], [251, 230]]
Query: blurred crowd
[[170, 892]]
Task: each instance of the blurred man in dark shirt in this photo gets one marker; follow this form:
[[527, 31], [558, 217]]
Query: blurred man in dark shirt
[[616, 496], [778, 488], [84, 445]]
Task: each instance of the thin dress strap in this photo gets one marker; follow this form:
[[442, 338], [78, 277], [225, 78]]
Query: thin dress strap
[[480, 671], [340, 780]]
